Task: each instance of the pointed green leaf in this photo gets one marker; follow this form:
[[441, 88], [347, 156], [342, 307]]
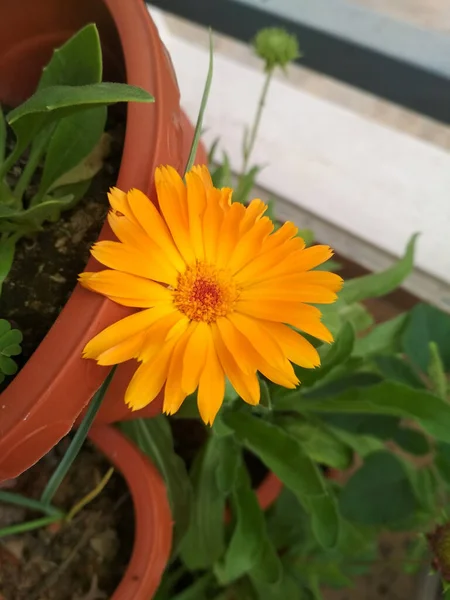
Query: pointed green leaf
[[284, 456], [436, 372], [427, 324], [394, 368], [379, 284], [249, 536], [336, 355], [228, 465], [390, 398], [204, 542], [154, 438], [73, 140], [412, 441], [245, 185], [382, 339], [77, 62], [379, 493], [50, 104]]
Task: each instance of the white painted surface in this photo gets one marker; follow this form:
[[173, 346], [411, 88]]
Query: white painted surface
[[371, 181]]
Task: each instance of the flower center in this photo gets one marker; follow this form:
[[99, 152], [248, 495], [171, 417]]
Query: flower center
[[205, 293]]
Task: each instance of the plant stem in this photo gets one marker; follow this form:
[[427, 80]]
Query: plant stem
[[77, 441], [28, 525], [201, 112], [37, 149], [249, 143], [19, 500], [89, 497]]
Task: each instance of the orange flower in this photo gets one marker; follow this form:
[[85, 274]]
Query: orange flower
[[219, 291]]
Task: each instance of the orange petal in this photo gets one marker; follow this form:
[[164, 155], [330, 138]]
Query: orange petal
[[303, 317], [195, 356], [249, 245], [119, 202], [212, 221], [124, 258], [154, 226], [127, 289], [245, 384], [203, 172], [196, 202], [173, 208], [122, 330], [211, 387], [149, 379], [295, 346], [312, 294], [158, 333], [229, 234], [174, 393]]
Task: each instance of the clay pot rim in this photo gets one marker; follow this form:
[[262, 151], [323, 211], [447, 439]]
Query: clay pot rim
[[153, 519]]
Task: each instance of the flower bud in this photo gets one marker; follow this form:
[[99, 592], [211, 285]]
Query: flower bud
[[276, 47]]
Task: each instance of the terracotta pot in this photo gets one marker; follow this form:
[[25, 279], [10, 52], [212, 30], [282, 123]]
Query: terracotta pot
[[153, 519], [41, 404]]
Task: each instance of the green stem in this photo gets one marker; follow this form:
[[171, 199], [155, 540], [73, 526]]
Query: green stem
[[19, 500], [28, 526], [37, 150], [77, 441], [198, 127], [249, 144]]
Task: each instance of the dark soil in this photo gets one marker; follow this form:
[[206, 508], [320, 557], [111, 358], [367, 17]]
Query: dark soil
[[82, 560], [46, 265]]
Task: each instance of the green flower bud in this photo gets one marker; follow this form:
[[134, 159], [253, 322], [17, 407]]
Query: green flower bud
[[276, 47]]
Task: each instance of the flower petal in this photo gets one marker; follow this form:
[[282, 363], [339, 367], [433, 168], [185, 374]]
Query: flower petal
[[127, 289], [121, 257], [245, 384], [149, 379], [195, 356], [174, 393], [259, 338], [153, 224], [126, 350], [173, 207], [313, 294], [211, 387], [212, 221], [295, 347], [122, 330], [229, 234], [196, 202], [249, 245], [158, 333], [302, 316]]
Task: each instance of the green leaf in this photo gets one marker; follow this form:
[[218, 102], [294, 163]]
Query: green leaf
[[379, 493], [284, 456], [265, 399], [442, 460], [154, 438], [336, 355], [48, 210], [50, 104], [287, 522], [77, 62], [390, 398], [73, 140], [379, 284], [382, 339], [412, 441], [249, 536], [221, 177], [396, 369], [212, 151], [425, 486], [307, 236], [361, 444], [319, 443], [228, 465], [427, 324], [10, 340], [245, 185], [7, 365], [7, 250], [436, 372], [204, 543], [357, 315]]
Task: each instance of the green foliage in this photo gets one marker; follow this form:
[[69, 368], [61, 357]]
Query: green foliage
[[250, 549], [427, 324], [204, 542], [10, 340], [154, 438], [62, 125], [283, 455], [276, 47], [379, 493]]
